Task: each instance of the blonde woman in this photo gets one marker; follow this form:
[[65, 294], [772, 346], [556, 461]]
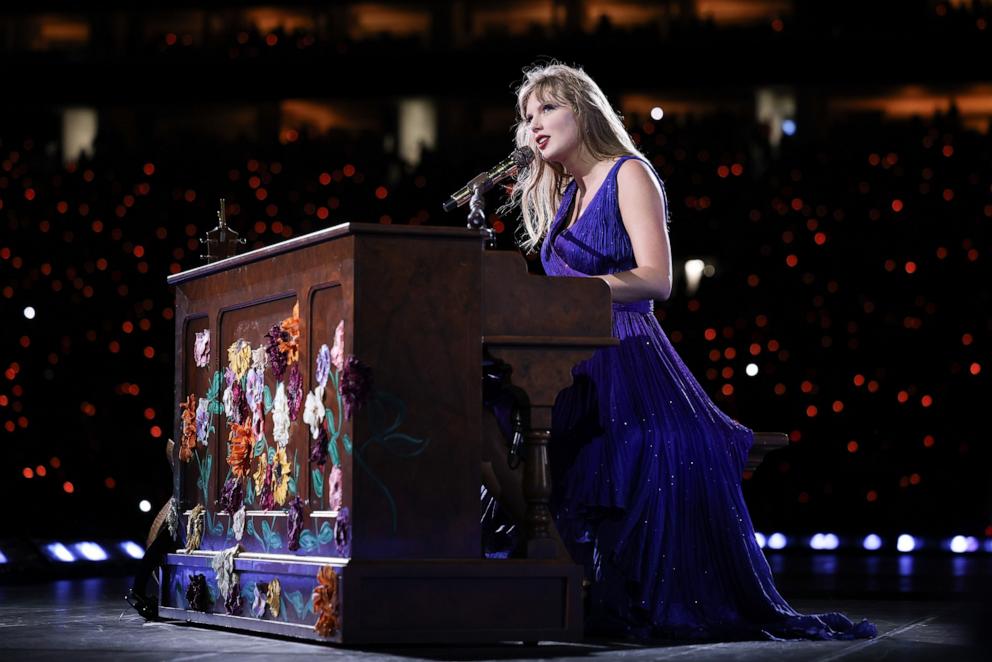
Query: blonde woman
[[647, 487]]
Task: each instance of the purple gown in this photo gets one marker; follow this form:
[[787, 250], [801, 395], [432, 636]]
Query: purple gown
[[647, 473]]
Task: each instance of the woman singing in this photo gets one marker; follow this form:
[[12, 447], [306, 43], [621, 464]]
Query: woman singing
[[647, 469]]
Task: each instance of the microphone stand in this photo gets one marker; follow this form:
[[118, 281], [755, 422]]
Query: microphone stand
[[477, 215]]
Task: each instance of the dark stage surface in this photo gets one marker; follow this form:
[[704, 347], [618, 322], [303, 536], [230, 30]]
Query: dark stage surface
[[81, 620]]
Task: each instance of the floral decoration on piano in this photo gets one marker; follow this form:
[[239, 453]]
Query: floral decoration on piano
[[201, 348], [325, 602]]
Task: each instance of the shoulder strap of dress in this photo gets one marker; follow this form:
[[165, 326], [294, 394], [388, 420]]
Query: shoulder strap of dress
[[661, 182]]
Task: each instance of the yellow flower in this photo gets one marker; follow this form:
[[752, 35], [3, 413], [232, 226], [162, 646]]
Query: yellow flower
[[280, 476], [239, 357], [259, 475]]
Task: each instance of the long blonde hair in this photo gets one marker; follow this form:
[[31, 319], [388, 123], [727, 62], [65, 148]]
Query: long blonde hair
[[540, 187]]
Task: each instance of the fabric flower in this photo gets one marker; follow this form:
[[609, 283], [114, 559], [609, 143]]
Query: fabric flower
[[280, 417], [289, 344], [261, 477], [325, 602], [258, 421], [342, 532], [223, 565], [295, 523], [194, 528], [231, 410], [238, 524], [254, 387], [276, 358], [197, 594], [240, 448], [272, 596], [234, 603], [280, 477], [259, 604], [313, 412], [337, 353], [318, 447], [238, 396], [232, 496], [188, 441], [203, 421], [173, 518], [355, 386], [259, 359], [294, 391], [239, 357], [229, 377], [201, 348], [335, 485], [323, 365]]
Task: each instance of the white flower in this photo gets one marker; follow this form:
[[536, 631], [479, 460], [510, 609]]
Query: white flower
[[230, 408], [238, 524], [313, 410], [259, 358], [201, 348], [280, 416], [337, 352]]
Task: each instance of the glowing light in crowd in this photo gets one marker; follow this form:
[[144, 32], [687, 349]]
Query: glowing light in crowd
[[133, 549], [906, 543], [657, 113], [872, 542], [60, 552], [751, 369], [789, 127], [3, 559], [91, 551], [776, 541], [29, 312], [144, 506]]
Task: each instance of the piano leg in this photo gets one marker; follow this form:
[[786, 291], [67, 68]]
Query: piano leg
[[524, 492]]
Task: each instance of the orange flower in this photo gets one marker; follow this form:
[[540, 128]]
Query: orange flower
[[188, 441], [291, 325], [240, 448], [325, 602]]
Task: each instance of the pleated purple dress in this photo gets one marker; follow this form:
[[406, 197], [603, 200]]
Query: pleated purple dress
[[647, 473]]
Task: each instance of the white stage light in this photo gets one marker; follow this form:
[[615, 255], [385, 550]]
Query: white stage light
[[905, 543], [751, 369], [60, 552], [29, 312], [776, 541], [657, 113], [144, 506], [91, 551], [133, 549], [959, 545], [760, 537], [871, 542]]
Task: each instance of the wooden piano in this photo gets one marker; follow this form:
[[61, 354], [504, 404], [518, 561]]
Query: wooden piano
[[328, 418]]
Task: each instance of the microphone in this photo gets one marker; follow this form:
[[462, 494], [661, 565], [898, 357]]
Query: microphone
[[486, 180]]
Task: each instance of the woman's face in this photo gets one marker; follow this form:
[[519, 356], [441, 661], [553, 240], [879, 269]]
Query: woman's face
[[552, 129]]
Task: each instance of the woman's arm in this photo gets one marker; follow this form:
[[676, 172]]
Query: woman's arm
[[642, 207]]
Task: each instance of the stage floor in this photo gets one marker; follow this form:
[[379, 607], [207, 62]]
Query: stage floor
[[82, 620]]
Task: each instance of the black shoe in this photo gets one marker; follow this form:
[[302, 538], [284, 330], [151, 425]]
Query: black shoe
[[147, 609]]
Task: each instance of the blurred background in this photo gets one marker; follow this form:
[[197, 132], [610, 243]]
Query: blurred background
[[827, 165]]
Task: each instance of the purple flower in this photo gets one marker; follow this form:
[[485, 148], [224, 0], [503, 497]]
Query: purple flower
[[266, 498], [234, 603], [294, 391], [232, 496], [203, 421], [323, 365], [259, 604], [238, 403], [335, 483], [337, 352], [318, 447], [276, 358], [229, 377], [254, 386], [356, 385], [197, 594], [342, 532], [295, 523], [258, 420]]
